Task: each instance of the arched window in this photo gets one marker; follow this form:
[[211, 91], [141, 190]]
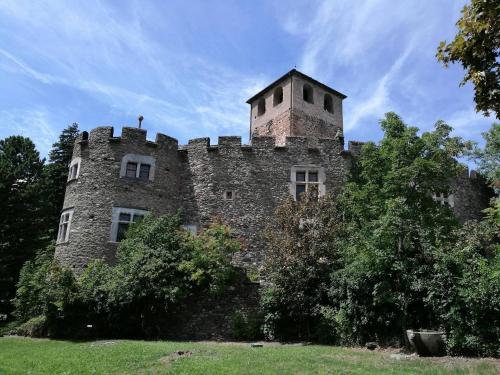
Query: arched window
[[307, 93], [261, 107], [328, 103], [277, 96]]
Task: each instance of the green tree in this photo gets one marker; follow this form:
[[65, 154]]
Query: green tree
[[300, 254], [55, 175], [20, 213], [477, 47], [394, 229]]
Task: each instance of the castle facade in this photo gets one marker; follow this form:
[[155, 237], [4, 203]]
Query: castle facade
[[296, 145]]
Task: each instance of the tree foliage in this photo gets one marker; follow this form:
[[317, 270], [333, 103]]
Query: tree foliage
[[158, 266], [55, 175], [477, 47], [300, 254], [385, 256], [21, 222]]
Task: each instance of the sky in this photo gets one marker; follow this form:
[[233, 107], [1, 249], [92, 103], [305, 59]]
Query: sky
[[189, 66]]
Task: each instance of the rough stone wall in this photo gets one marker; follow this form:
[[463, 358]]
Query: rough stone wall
[[279, 127], [471, 195], [209, 317], [99, 188], [258, 176]]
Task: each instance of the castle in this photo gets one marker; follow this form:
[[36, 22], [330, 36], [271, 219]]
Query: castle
[[296, 145]]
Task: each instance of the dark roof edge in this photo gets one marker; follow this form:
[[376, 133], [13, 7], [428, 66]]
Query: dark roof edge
[[302, 75]]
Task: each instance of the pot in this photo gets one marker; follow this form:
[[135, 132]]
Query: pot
[[427, 342]]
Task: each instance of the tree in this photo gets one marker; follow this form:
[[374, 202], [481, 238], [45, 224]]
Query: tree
[[55, 177], [394, 231], [20, 213], [477, 47], [300, 254]]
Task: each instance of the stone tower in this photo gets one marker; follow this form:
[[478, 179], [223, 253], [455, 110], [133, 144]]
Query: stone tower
[[296, 105]]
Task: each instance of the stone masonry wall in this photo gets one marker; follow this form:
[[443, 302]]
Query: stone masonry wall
[[99, 188], [259, 178]]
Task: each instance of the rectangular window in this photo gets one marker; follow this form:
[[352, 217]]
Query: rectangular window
[[131, 170], [74, 169], [312, 177], [122, 218], [144, 171], [299, 189], [306, 179], [64, 226]]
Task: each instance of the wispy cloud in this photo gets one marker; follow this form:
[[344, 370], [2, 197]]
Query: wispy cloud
[[33, 123]]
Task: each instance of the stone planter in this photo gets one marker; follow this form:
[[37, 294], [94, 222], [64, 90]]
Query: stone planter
[[427, 342]]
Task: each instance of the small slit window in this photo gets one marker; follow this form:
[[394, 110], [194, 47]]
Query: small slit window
[[277, 96], [307, 93], [261, 107], [328, 103]]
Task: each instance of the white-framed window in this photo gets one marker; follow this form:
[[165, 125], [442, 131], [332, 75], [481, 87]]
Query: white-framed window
[[444, 199], [138, 166], [121, 218], [191, 228], [305, 178], [74, 169], [64, 226]]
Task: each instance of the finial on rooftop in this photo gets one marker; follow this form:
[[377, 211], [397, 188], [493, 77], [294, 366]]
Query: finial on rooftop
[[141, 117]]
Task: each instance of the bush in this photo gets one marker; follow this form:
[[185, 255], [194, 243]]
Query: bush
[[465, 290], [246, 326], [34, 327], [158, 266]]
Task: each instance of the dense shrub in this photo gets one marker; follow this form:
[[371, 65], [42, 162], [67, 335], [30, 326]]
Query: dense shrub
[[158, 265], [465, 290], [385, 257], [246, 326], [299, 258]]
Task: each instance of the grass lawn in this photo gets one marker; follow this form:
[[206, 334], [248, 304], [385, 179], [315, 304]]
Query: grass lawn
[[40, 356]]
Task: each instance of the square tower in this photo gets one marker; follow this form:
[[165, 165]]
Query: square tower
[[296, 105]]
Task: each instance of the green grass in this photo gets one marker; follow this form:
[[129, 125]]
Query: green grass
[[33, 356]]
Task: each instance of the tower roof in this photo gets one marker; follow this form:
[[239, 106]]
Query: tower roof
[[302, 75]]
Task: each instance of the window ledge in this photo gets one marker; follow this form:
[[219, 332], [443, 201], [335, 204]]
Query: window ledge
[[71, 181], [135, 179]]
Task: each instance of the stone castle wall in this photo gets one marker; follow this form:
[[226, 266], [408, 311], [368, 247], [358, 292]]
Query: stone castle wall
[[195, 178], [99, 188]]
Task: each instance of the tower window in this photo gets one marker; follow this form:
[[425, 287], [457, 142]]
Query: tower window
[[328, 103], [261, 107], [277, 96], [64, 226], [141, 167], [307, 93], [121, 220], [74, 169]]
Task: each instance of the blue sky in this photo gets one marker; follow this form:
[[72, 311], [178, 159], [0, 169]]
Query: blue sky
[[189, 66]]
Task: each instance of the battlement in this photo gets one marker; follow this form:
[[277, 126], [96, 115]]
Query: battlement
[[136, 136]]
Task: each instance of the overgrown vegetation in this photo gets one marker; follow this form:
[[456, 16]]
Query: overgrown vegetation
[[158, 266], [385, 257], [31, 198]]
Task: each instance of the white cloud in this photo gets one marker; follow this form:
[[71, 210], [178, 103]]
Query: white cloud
[[35, 124]]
